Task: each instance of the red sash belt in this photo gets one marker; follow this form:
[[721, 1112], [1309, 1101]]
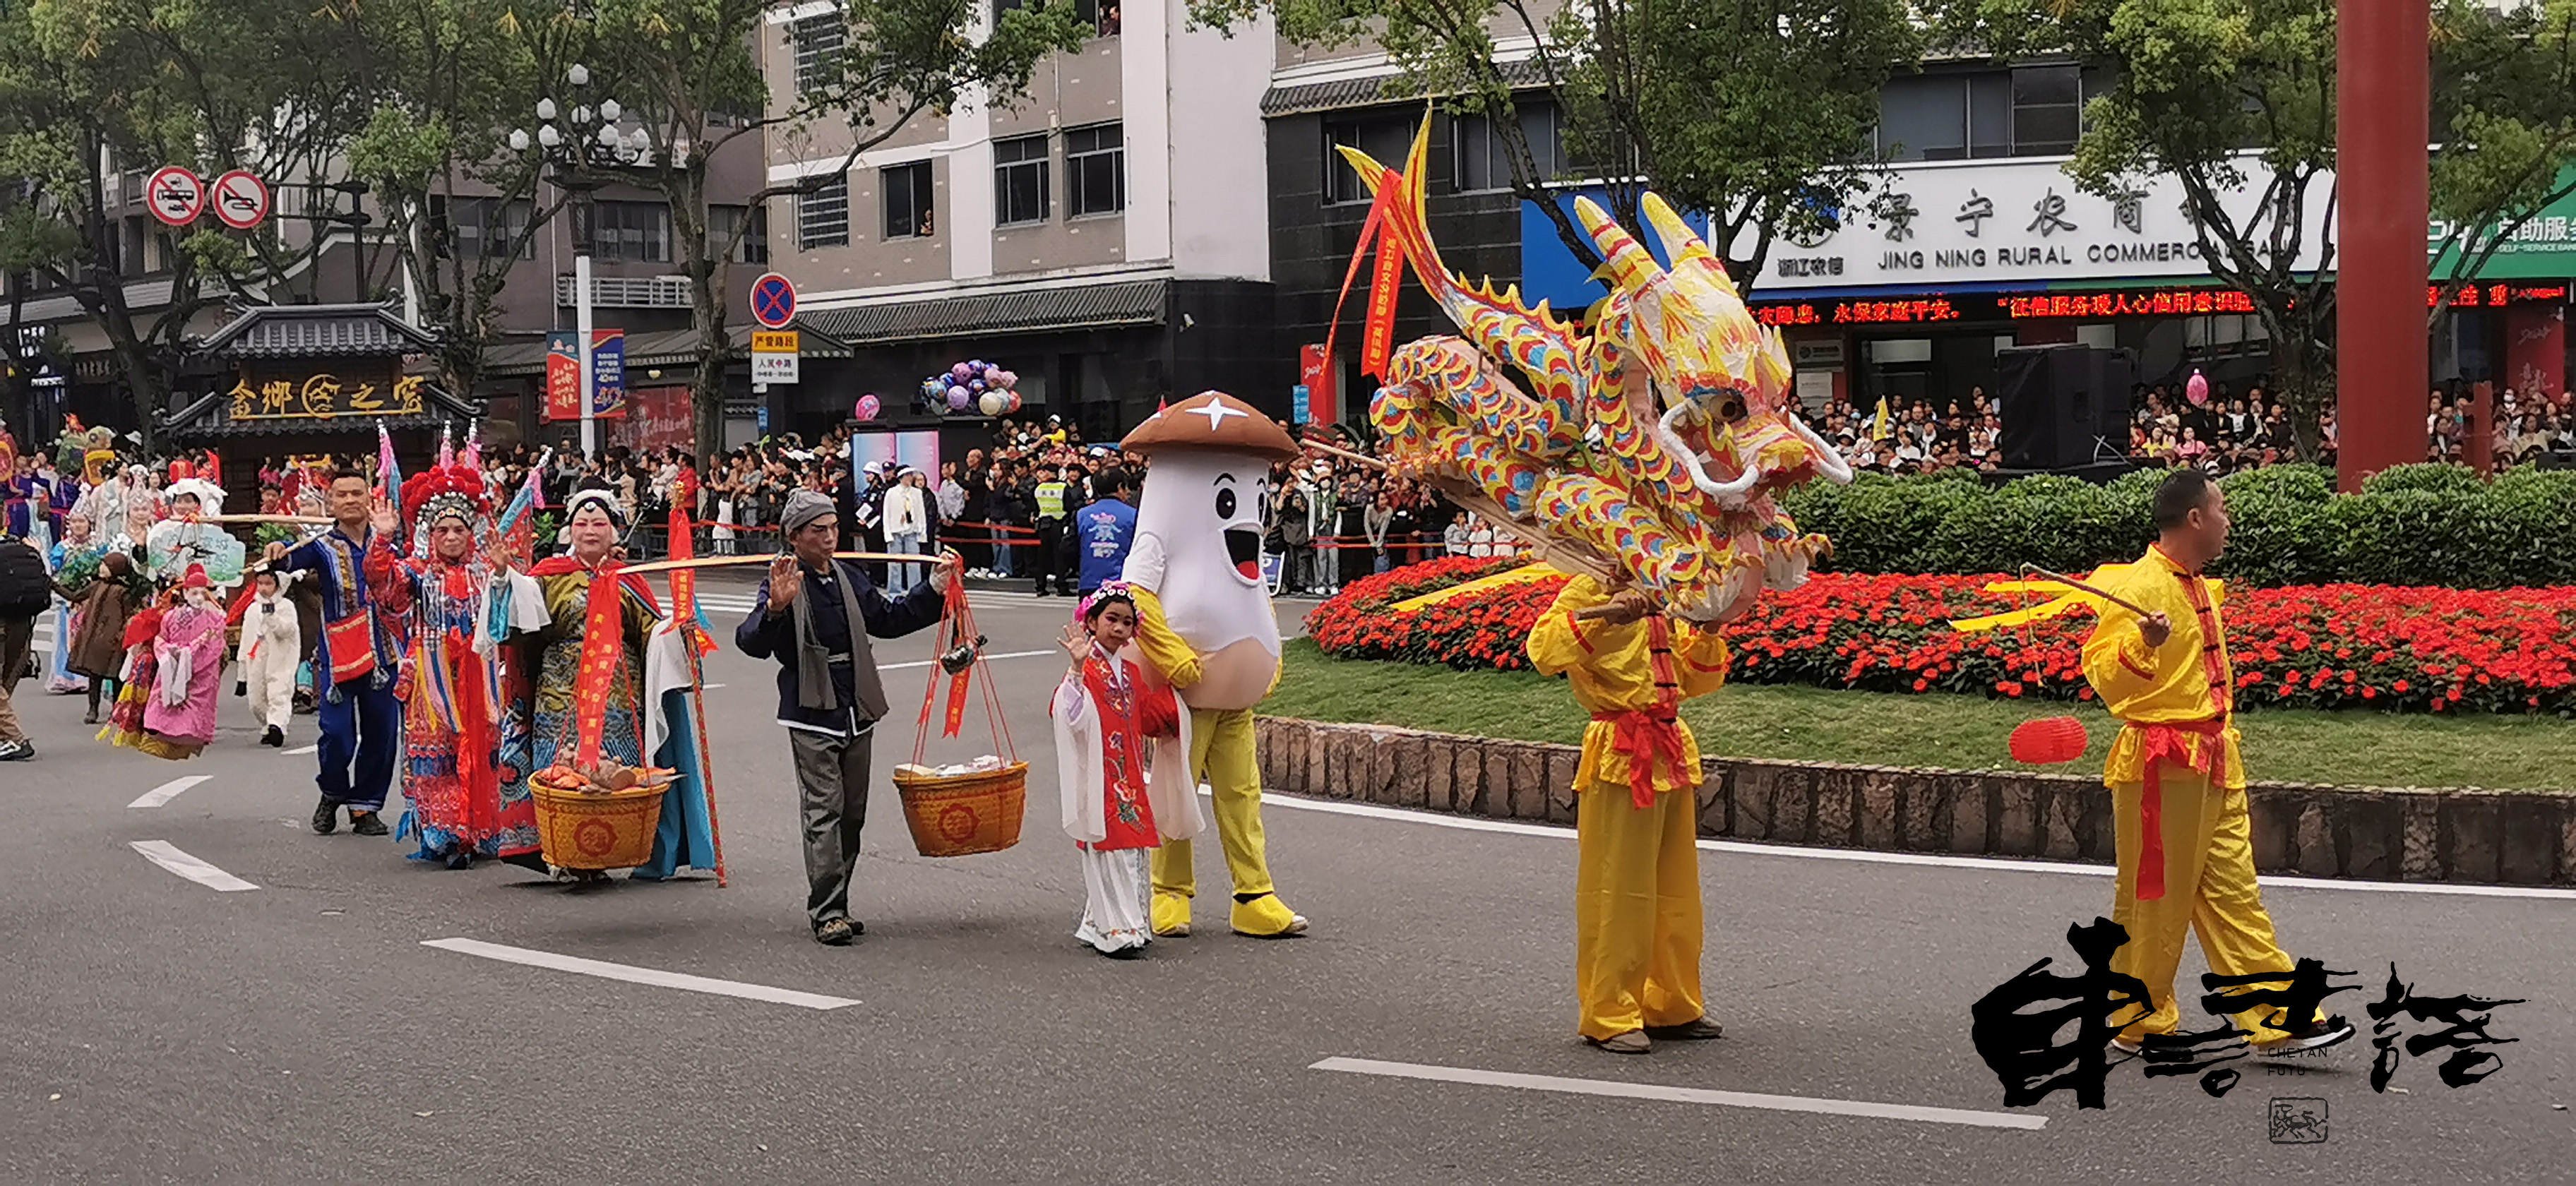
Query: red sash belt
[[2193, 745], [1647, 738]]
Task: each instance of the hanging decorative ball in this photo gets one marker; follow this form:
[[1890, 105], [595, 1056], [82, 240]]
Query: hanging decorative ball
[[2197, 387], [994, 403], [958, 397], [2049, 741], [959, 373], [867, 409]]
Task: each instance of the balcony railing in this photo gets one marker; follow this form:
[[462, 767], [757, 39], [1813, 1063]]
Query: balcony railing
[[629, 292]]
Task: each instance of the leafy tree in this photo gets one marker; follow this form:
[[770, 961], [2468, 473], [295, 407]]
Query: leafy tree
[[2504, 118], [690, 72], [2220, 94], [448, 80], [93, 93], [1757, 112]]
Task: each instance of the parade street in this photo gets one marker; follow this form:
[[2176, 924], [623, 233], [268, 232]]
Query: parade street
[[202, 990]]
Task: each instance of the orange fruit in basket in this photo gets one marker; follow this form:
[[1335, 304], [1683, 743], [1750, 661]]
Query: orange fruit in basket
[[2049, 741]]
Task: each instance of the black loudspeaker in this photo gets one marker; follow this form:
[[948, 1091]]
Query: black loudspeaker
[[2063, 406]]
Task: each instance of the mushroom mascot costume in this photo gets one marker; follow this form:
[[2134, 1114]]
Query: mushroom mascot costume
[[1204, 625]]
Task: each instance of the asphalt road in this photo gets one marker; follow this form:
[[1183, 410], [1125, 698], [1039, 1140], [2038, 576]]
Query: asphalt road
[[156, 1029]]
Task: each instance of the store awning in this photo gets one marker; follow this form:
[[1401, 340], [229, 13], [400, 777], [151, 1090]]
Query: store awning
[[1374, 90], [1017, 311]]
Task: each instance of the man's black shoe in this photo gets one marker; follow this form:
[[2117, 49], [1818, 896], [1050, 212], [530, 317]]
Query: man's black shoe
[[276, 737], [2316, 1035], [1698, 1029], [17, 751], [366, 823], [326, 817]]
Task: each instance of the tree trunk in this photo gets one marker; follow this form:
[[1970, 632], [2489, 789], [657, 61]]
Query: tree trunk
[[2302, 375]]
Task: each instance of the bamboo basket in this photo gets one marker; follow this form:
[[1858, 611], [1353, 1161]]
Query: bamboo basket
[[964, 814], [580, 830]]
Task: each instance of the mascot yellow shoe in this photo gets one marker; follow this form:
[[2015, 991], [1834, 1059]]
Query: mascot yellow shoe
[[1171, 915], [1205, 626], [1266, 917]]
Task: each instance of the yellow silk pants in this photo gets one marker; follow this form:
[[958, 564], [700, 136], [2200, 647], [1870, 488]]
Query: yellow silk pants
[[2209, 889], [1636, 910], [1221, 755]]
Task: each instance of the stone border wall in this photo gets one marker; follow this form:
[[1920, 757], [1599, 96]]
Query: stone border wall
[[2373, 833]]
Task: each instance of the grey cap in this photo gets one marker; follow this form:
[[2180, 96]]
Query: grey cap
[[805, 506]]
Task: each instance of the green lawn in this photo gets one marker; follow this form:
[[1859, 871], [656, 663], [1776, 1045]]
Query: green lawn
[[1960, 732]]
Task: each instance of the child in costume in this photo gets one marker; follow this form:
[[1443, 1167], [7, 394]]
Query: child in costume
[[1104, 711], [1205, 626], [1637, 929], [272, 644]]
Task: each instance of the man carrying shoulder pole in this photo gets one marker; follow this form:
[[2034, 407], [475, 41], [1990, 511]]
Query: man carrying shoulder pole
[[815, 615]]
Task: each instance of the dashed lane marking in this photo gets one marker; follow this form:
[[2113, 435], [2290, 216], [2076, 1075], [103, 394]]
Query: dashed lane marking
[[1682, 1095], [168, 856], [167, 791], [634, 975]]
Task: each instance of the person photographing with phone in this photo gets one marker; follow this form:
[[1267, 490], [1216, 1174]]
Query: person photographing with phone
[[815, 614]]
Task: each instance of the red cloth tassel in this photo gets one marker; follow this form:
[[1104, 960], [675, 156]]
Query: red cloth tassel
[[2192, 745], [1647, 739]]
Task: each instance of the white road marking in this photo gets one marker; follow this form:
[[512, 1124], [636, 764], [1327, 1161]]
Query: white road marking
[[1682, 1095], [1003, 655], [302, 749], [162, 853], [635, 975], [168, 791], [1865, 856]]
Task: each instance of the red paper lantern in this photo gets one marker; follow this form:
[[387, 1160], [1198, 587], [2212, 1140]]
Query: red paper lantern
[[2049, 741]]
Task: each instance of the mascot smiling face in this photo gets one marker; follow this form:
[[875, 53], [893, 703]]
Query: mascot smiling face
[[1198, 539]]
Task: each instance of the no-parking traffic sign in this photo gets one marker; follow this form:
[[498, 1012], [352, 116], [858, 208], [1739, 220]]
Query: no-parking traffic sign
[[773, 301]]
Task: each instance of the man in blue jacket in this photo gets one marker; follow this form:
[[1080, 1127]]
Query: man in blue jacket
[[814, 615], [1106, 529]]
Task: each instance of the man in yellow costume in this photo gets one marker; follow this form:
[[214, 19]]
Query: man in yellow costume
[[1637, 927], [2177, 779], [1204, 625]]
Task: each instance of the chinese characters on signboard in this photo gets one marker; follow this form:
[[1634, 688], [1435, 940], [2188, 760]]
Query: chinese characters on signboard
[[323, 396]]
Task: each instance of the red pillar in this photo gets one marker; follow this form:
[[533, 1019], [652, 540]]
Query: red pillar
[[2383, 112]]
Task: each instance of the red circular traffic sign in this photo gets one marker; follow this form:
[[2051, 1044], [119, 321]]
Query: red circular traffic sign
[[241, 199], [175, 195], [773, 301]]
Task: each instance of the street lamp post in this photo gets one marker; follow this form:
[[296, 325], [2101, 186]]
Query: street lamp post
[[593, 143]]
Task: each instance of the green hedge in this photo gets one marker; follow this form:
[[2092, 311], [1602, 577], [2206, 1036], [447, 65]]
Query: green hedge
[[2411, 525]]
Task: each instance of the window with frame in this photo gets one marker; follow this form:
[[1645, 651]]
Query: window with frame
[[628, 232], [818, 41], [1020, 180], [910, 212], [1095, 170], [724, 221], [1384, 138], [823, 216], [2047, 110], [1481, 159], [475, 228]]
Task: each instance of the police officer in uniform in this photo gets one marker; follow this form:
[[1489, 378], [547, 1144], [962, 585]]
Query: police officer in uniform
[[1053, 496]]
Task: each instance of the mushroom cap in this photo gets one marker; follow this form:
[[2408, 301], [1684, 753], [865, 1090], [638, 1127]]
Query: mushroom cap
[[1216, 421]]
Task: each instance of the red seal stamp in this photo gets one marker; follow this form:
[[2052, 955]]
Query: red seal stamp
[[957, 823], [594, 837]]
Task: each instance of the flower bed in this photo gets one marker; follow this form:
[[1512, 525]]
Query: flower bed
[[2311, 646]]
